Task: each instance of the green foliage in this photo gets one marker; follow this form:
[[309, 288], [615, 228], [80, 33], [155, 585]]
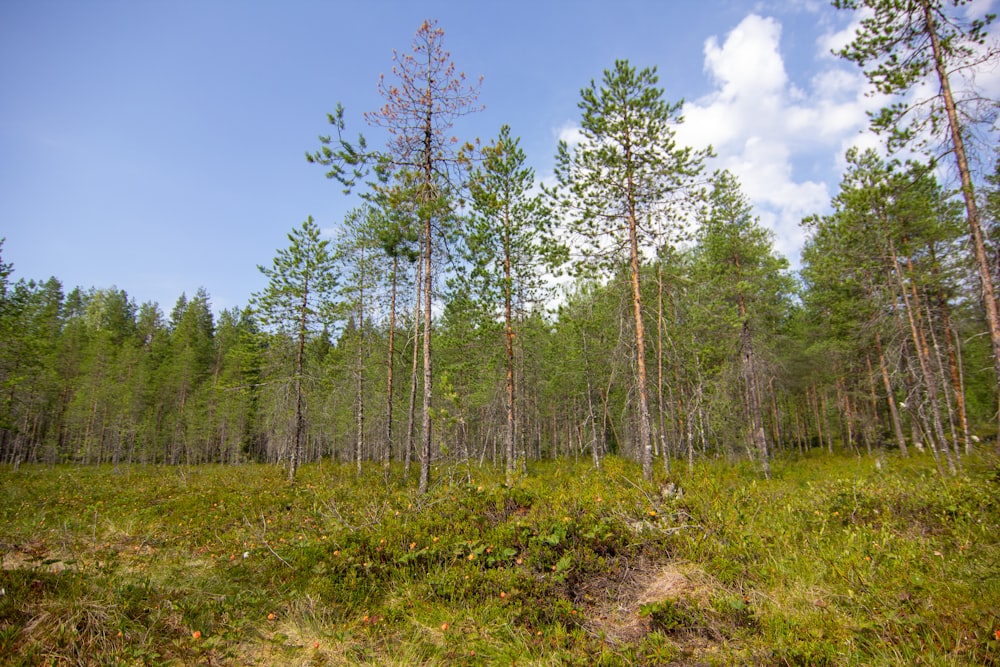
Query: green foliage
[[508, 238], [737, 311], [620, 192], [666, 615], [300, 283], [895, 49], [627, 173], [834, 561], [735, 262]]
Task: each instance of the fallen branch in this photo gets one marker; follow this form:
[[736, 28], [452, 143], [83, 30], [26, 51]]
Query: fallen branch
[[263, 539]]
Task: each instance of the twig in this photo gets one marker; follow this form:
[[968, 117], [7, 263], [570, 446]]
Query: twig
[[263, 538]]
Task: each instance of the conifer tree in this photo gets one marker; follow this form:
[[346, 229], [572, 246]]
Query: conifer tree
[[627, 172], [186, 369], [747, 286], [507, 248], [422, 102], [356, 255], [900, 46], [395, 230], [236, 373], [297, 299]]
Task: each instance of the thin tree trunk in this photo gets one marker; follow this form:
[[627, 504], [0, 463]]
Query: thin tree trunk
[[661, 421], [412, 411], [846, 415], [953, 335], [390, 365], [429, 192], [874, 421], [425, 423], [645, 437], [821, 401], [945, 387], [758, 436], [776, 436], [509, 439], [595, 448], [798, 427], [690, 419], [360, 387], [293, 463], [954, 359], [521, 396], [897, 426]]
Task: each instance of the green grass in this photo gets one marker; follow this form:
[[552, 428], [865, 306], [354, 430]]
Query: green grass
[[835, 561]]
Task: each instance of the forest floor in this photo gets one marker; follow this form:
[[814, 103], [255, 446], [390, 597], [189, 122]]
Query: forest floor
[[836, 560]]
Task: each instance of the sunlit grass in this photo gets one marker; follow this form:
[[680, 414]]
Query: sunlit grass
[[835, 561]]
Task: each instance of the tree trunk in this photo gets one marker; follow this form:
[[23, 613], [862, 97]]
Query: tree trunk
[[595, 442], [920, 344], [360, 385], [390, 365], [410, 424], [757, 434], [293, 462], [954, 360], [873, 421], [897, 426], [846, 413], [645, 437], [521, 396], [425, 424], [509, 440], [661, 421]]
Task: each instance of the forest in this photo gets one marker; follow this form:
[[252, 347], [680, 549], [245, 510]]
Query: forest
[[468, 314]]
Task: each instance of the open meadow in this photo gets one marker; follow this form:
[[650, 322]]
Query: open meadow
[[836, 560]]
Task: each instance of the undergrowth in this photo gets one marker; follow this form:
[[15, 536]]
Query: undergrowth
[[834, 561]]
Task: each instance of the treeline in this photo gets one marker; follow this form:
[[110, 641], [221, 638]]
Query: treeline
[[880, 346], [429, 332]]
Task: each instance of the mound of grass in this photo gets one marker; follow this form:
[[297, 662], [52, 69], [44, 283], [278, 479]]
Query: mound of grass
[[834, 561]]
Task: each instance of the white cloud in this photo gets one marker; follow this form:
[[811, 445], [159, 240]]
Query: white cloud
[[752, 86], [769, 131], [570, 133], [765, 172], [748, 61]]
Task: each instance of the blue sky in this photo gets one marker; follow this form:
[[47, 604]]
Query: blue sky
[[159, 146]]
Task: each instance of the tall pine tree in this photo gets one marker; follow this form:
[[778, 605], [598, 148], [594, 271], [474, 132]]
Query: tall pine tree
[[626, 173]]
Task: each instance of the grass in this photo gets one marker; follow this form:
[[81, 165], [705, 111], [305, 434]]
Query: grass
[[835, 561]]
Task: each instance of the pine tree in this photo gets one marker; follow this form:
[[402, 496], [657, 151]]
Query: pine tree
[[747, 287], [297, 299], [881, 292], [903, 44], [398, 235], [626, 173], [507, 247], [356, 252], [422, 102], [188, 366]]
